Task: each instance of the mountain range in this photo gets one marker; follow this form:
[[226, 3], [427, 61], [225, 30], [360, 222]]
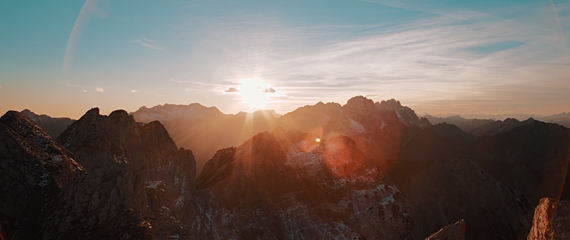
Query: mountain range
[[363, 170]]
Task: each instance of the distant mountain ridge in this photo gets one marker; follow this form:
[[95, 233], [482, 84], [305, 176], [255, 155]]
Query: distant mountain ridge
[[53, 126], [468, 124], [207, 129]]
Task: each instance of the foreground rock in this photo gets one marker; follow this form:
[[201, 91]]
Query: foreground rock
[[551, 220], [34, 170], [454, 231]]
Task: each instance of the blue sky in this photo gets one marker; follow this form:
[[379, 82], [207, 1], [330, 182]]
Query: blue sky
[[468, 57]]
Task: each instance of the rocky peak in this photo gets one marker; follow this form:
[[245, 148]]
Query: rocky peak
[[92, 112], [406, 116], [360, 103], [391, 104]]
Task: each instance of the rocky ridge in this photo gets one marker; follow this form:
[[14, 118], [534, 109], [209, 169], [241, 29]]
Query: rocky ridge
[[129, 181], [454, 231], [34, 170], [551, 220]]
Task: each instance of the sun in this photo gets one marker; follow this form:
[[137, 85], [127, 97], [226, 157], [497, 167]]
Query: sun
[[254, 92]]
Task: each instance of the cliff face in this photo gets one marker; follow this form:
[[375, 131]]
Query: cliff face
[[551, 220]]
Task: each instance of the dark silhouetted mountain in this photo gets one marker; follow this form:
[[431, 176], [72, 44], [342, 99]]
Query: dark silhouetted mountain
[[497, 127], [448, 191], [465, 124], [52, 126], [562, 121], [532, 158], [551, 220], [452, 131], [33, 171]]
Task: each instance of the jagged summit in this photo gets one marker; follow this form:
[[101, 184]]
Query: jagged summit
[[391, 104]]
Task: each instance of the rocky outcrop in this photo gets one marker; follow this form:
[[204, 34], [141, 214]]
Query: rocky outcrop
[[454, 231], [551, 220], [34, 170]]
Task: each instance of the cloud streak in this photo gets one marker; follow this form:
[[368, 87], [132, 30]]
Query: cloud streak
[[147, 43], [432, 60]]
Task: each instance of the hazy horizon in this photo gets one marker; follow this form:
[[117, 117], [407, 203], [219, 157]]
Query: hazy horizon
[[519, 116], [468, 57]]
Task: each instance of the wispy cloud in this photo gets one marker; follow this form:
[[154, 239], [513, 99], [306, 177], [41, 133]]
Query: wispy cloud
[[147, 43], [101, 90], [134, 91], [437, 59]]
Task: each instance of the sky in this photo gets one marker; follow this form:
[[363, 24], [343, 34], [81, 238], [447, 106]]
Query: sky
[[62, 58]]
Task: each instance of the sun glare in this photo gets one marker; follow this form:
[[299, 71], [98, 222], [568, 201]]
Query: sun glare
[[317, 140], [254, 92]]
